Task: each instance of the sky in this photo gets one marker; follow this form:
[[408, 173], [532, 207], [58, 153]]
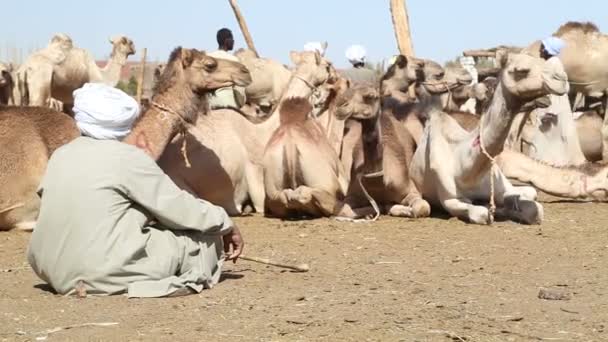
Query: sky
[[441, 30]]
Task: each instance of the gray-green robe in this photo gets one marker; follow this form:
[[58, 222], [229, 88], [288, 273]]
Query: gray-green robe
[[98, 200]]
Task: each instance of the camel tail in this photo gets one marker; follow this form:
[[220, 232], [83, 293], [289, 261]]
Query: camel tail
[[290, 164], [295, 109]]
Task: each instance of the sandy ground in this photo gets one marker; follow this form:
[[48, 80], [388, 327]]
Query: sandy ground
[[413, 280]]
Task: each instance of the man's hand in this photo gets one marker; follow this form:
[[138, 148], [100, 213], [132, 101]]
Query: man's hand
[[233, 241]]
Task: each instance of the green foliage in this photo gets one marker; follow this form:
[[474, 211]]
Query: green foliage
[[129, 87]]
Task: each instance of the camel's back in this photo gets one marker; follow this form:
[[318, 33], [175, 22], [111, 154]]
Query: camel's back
[[53, 127]]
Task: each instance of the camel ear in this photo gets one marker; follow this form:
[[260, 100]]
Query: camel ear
[[317, 58], [187, 57], [123, 40], [295, 57], [324, 46], [401, 61], [502, 57]]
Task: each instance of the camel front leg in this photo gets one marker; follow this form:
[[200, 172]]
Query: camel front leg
[[517, 203], [605, 128], [255, 184], [315, 202]]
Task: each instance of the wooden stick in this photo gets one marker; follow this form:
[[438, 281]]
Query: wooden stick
[[142, 71], [479, 53], [243, 25], [297, 268], [401, 26]]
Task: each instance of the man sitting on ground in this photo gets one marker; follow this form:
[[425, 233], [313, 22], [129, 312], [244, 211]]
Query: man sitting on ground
[[111, 221]]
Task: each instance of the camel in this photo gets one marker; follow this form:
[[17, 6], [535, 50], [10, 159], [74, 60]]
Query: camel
[[584, 57], [49, 76], [269, 77], [382, 146], [179, 97], [302, 173], [549, 134], [584, 181], [6, 84], [449, 167], [227, 148]]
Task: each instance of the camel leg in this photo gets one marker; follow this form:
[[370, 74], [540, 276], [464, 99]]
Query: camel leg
[[39, 87], [352, 212], [464, 210], [22, 217], [255, 182], [605, 128], [277, 204], [315, 202], [517, 203]]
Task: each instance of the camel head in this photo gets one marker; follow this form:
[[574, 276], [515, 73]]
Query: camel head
[[5, 73], [122, 46], [360, 102], [202, 73], [62, 42], [400, 76], [526, 78], [313, 64]]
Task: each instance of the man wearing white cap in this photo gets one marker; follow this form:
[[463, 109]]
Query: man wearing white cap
[[112, 222], [316, 46], [356, 55], [556, 119]]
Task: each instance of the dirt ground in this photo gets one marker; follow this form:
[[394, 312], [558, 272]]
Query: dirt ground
[[433, 279]]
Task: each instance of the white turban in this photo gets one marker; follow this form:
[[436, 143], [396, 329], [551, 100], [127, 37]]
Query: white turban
[[356, 54], [553, 45], [104, 112], [315, 46]]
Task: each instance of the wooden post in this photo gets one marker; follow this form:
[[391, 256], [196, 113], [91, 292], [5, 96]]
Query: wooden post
[[243, 25], [401, 25], [142, 71]]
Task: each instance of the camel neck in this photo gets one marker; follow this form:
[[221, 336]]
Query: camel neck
[[111, 71], [492, 133], [162, 121], [300, 85], [496, 122]]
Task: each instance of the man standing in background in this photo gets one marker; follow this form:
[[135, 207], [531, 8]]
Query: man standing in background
[[229, 96]]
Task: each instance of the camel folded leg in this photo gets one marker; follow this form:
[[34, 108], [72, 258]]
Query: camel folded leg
[[605, 128], [517, 203], [314, 201], [22, 216], [277, 204], [255, 183], [464, 210]]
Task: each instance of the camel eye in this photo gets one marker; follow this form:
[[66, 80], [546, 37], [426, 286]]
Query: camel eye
[[210, 64]]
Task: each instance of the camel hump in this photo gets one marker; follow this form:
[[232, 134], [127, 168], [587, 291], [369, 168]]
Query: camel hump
[[585, 27], [294, 109]]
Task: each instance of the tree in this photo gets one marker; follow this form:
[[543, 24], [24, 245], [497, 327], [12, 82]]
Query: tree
[[129, 87]]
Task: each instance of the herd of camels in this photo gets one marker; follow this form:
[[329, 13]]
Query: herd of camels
[[327, 147]]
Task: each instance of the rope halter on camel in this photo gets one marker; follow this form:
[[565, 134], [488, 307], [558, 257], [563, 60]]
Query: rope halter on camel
[[182, 128]]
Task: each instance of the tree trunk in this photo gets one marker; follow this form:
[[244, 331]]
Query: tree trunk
[[402, 27], [243, 25]]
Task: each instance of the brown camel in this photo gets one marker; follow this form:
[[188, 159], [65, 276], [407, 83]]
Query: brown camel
[[382, 145], [227, 148], [302, 172], [178, 99]]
